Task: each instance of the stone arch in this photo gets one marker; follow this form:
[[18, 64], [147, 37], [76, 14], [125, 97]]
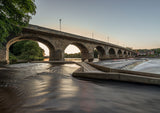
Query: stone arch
[[125, 54], [30, 37], [120, 54], [83, 49], [129, 53], [112, 53], [101, 52]]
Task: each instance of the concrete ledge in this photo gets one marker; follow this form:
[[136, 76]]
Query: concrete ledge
[[118, 77], [93, 75]]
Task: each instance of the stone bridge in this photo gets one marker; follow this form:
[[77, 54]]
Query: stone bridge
[[57, 42]]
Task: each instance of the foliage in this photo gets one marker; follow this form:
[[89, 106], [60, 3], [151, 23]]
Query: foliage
[[17, 48], [95, 53], [12, 58], [27, 50], [78, 55], [75, 55], [14, 14], [156, 52]]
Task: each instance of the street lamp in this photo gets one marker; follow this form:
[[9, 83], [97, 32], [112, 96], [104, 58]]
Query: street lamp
[[60, 21]]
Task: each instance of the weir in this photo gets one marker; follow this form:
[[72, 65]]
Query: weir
[[106, 73]]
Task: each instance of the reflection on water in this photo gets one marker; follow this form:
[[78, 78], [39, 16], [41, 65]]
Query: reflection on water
[[46, 59], [68, 59], [67, 88], [73, 59], [49, 88]]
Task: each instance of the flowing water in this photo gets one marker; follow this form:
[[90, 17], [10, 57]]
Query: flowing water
[[142, 65], [150, 66], [49, 88]]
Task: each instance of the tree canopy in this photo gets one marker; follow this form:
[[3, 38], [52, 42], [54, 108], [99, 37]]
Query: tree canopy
[[15, 14], [27, 50]]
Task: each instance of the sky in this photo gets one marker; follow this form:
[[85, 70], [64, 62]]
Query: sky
[[128, 23]]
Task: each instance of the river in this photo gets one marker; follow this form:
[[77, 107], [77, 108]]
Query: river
[[49, 88], [149, 65]]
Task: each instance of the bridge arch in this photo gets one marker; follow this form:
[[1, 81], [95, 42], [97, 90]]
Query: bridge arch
[[83, 49], [129, 54], [112, 53], [101, 52], [120, 54], [34, 38], [125, 54]]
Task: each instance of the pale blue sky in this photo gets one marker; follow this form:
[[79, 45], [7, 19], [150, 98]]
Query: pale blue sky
[[131, 23]]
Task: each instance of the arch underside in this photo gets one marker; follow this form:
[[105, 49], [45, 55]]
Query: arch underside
[[101, 52], [112, 53], [45, 42], [120, 54], [125, 54], [84, 51]]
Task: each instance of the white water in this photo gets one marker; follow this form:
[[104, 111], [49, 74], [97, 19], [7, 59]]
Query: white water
[[151, 66], [142, 65]]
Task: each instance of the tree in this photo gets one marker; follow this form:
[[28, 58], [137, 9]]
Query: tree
[[27, 50], [74, 55], [17, 48], [14, 15], [95, 53], [31, 51]]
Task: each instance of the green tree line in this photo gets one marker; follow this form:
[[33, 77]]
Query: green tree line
[[75, 55], [78, 55], [27, 50]]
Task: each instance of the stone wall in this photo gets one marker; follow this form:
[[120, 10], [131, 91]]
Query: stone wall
[[3, 56]]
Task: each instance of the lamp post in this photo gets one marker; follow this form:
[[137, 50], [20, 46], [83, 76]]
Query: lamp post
[[60, 22]]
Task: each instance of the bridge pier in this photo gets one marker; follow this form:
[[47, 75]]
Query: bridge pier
[[104, 57], [57, 55], [91, 57], [3, 56], [87, 56]]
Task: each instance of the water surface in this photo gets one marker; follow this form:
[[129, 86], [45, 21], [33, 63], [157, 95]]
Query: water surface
[[49, 88]]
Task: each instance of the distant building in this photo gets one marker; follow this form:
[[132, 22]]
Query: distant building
[[151, 52], [145, 52]]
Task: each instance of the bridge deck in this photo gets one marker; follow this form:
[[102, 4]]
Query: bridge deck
[[69, 35]]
